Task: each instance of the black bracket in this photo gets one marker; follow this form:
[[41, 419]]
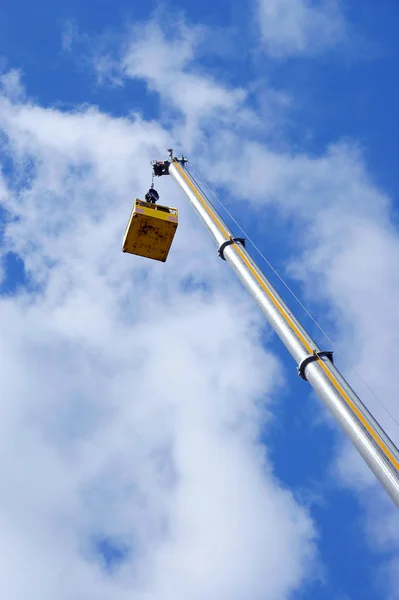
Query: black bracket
[[232, 240], [160, 167], [311, 358]]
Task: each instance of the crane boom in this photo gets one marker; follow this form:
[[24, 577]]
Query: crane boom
[[314, 365]]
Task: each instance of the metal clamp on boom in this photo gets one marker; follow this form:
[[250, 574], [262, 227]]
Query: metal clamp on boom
[[232, 240], [311, 358]]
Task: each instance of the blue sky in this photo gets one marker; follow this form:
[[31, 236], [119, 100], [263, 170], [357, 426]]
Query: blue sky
[[295, 126]]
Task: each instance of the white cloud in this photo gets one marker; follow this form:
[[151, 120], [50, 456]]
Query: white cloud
[[70, 34], [164, 469], [10, 84], [129, 410], [165, 60], [344, 233], [291, 27]]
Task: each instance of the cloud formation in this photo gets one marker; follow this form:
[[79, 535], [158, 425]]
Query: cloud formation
[[166, 60], [171, 475], [131, 417], [300, 27]]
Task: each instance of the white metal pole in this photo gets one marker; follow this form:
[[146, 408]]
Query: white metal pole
[[368, 437]]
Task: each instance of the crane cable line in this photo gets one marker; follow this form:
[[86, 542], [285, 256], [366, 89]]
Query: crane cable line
[[343, 356]]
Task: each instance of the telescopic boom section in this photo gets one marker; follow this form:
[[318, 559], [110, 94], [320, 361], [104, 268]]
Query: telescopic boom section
[[314, 364]]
